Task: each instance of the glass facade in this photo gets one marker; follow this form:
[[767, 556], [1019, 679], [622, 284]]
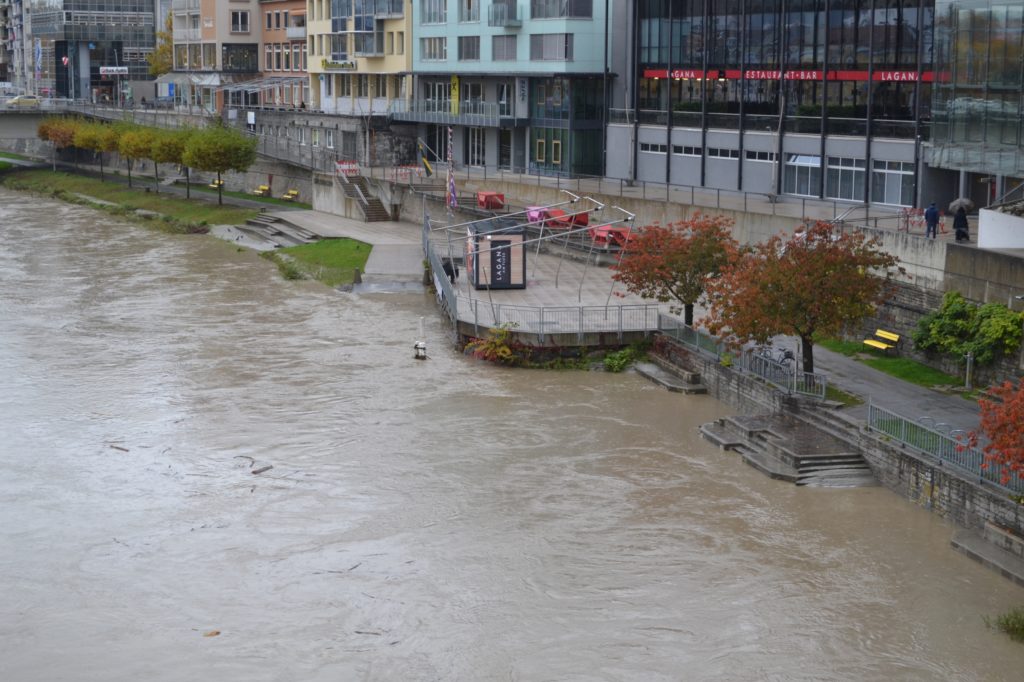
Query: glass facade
[[566, 130], [840, 59], [823, 68], [978, 124]]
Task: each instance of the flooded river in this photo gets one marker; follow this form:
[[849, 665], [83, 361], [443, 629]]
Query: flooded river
[[439, 520]]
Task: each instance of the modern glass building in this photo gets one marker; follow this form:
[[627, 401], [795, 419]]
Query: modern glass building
[[91, 49], [978, 128], [522, 83], [818, 98]]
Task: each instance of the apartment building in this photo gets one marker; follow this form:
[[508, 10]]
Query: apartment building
[[216, 44], [284, 80], [521, 83], [361, 60]]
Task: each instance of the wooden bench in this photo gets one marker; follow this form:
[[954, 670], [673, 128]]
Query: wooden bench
[[262, 191], [216, 184], [290, 195], [883, 340]]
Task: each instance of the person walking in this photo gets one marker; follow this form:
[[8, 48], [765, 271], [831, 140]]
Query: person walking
[[960, 226], [931, 220]]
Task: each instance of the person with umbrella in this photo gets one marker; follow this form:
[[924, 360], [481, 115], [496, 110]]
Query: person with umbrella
[[931, 220], [960, 225]]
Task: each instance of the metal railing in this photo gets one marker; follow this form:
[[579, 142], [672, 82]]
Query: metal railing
[[543, 321], [786, 376], [942, 448]]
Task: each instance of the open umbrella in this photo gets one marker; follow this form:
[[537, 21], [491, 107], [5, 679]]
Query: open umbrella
[[962, 201]]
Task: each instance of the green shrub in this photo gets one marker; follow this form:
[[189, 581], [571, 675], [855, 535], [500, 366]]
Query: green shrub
[[1011, 622], [619, 360], [287, 267], [988, 332]]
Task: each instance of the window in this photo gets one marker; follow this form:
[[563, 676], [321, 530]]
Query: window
[[802, 175], [561, 9], [551, 47], [277, 19], [380, 85], [434, 49], [724, 153], [295, 57], [284, 19], [329, 135], [435, 11], [469, 48], [556, 152], [362, 85], [269, 63], [760, 156], [469, 10], [286, 54], [345, 85], [653, 148], [302, 135], [314, 137], [269, 15], [329, 85], [503, 48], [389, 44], [277, 57], [892, 182], [539, 155], [685, 151], [400, 47], [844, 178], [475, 147], [240, 22]]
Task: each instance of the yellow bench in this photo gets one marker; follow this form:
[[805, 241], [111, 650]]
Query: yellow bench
[[216, 184], [262, 191], [883, 340], [290, 195]]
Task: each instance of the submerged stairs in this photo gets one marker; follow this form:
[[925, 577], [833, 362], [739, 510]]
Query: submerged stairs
[[277, 231], [789, 450]]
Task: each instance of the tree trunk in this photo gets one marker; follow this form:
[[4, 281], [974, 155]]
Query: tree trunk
[[807, 352], [188, 187], [129, 173], [688, 314], [156, 177], [220, 190]]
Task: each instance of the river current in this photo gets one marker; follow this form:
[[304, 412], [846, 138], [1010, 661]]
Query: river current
[[437, 520]]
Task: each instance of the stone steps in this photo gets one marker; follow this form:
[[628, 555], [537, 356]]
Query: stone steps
[[673, 381], [276, 231], [786, 449]]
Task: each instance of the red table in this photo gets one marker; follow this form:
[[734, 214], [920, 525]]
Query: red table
[[608, 235], [490, 200]]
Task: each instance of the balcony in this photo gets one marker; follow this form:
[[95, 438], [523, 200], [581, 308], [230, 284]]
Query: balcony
[[471, 112], [504, 14], [295, 32], [187, 35], [388, 9], [182, 5]]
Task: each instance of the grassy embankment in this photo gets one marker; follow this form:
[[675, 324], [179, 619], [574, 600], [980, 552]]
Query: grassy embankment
[[901, 368], [331, 261], [175, 214]]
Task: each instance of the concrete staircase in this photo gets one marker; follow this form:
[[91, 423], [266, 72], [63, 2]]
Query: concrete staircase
[[673, 379], [373, 209], [277, 231], [789, 450]]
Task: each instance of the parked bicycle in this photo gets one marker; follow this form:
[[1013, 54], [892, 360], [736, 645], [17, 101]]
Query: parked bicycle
[[782, 356]]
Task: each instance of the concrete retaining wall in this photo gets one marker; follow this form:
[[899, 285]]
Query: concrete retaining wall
[[947, 493]]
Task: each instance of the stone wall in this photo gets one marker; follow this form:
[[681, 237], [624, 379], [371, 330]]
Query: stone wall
[[954, 496]]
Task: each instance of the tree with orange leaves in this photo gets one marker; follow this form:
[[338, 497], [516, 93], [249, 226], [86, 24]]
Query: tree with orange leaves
[[674, 262], [817, 281], [1002, 422]]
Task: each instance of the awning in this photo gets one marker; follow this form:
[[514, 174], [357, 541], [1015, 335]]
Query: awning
[[204, 80], [261, 84]]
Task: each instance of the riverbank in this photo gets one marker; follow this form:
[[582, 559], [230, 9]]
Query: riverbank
[[165, 211]]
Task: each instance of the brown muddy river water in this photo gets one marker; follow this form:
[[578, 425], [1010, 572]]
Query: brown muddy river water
[[439, 520]]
